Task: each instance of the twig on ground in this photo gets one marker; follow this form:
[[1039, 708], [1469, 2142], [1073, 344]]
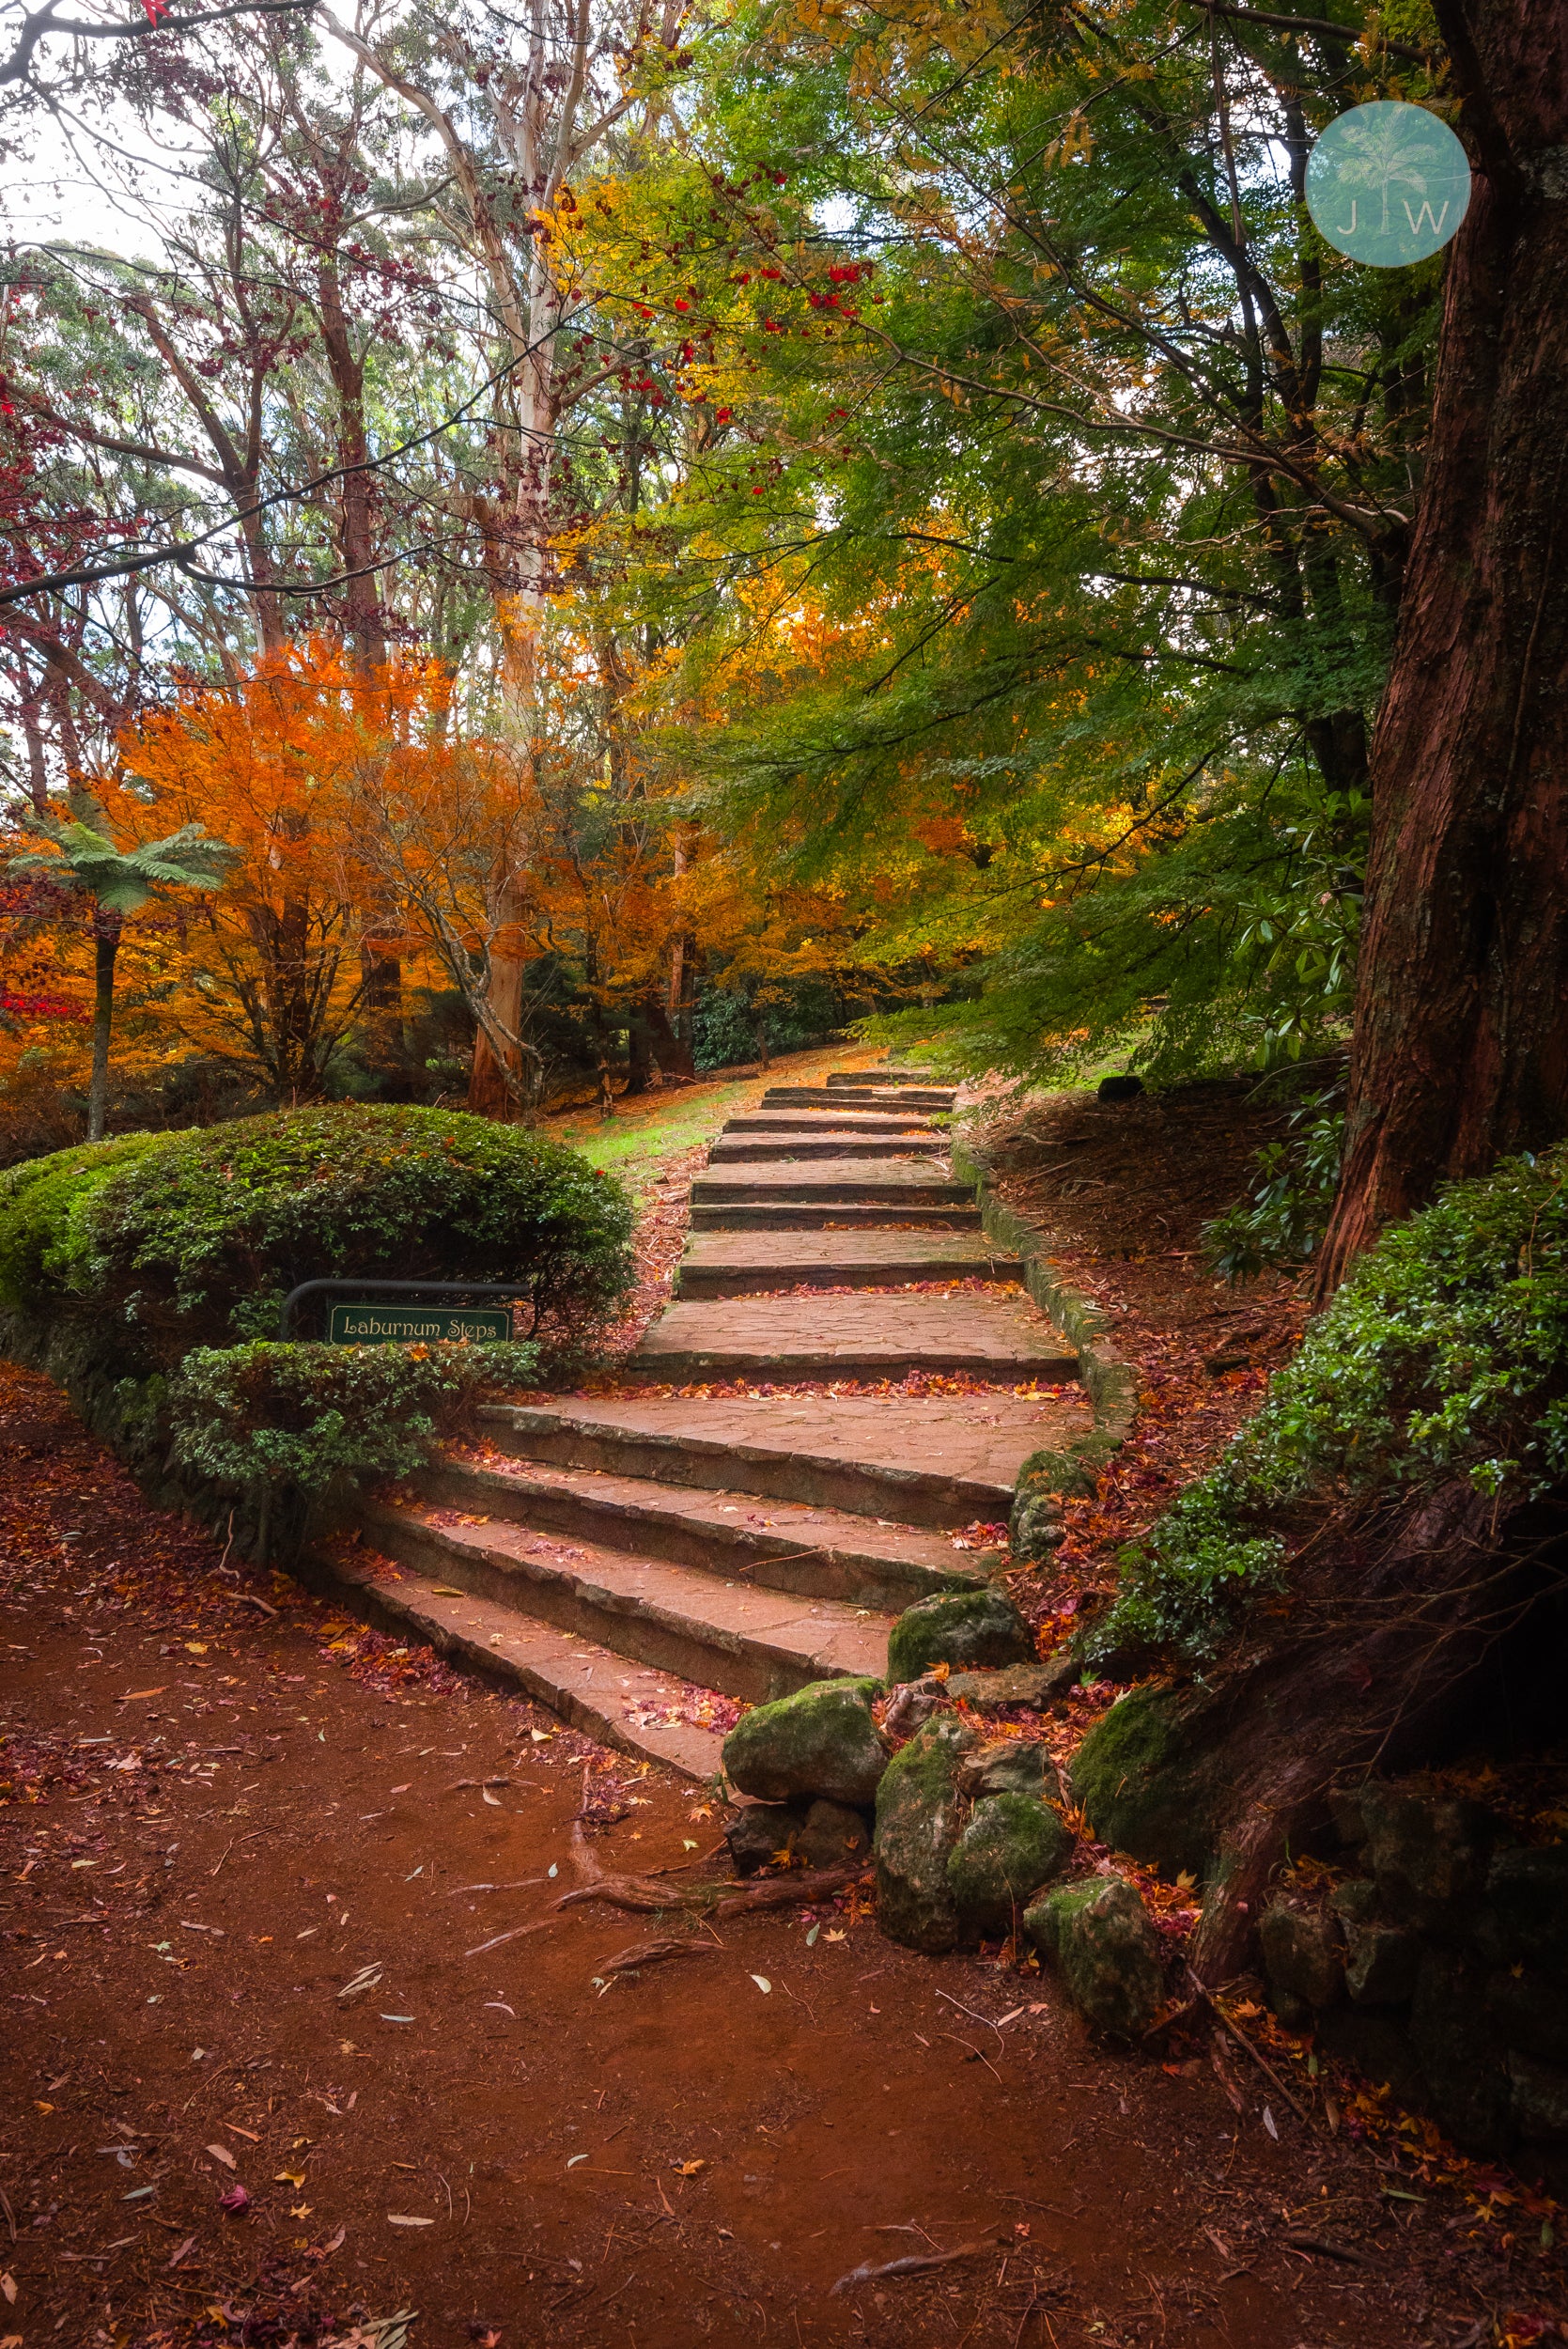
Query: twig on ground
[[918, 2264], [648, 1952], [1259, 2059]]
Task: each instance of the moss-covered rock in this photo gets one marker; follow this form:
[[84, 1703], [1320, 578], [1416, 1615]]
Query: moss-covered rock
[[1428, 1855], [1011, 1765], [760, 1832], [833, 1836], [821, 1741], [1011, 1845], [1135, 1781], [964, 1628], [1302, 1953], [919, 1814], [1100, 1938], [1044, 1481]]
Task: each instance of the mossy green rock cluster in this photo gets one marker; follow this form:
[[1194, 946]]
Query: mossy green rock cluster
[[1011, 1845], [968, 1629], [920, 1818], [1103, 1943], [1136, 1779], [819, 1742], [965, 1835]]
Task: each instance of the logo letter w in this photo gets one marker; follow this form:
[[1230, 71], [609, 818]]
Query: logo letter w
[[1418, 221]]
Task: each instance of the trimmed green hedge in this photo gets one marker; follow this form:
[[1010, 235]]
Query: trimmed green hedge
[[146, 1274], [194, 1239], [1445, 1354], [301, 1416], [42, 1208]]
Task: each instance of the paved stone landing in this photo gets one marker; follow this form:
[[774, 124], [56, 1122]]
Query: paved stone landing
[[976, 1443], [855, 1337]]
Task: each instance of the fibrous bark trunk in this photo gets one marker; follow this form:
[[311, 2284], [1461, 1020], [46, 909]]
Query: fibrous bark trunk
[[106, 938], [1460, 1050]]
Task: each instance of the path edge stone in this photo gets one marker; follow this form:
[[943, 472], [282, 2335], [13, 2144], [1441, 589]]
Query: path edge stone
[[1108, 1380]]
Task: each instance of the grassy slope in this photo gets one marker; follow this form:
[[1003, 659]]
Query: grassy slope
[[643, 1135]]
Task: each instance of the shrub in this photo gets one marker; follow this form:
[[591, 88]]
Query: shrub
[[196, 1239], [1285, 1219], [280, 1417], [41, 1215], [1444, 1355]]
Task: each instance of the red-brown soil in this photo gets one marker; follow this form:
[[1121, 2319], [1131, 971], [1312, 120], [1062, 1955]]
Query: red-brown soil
[[219, 1817]]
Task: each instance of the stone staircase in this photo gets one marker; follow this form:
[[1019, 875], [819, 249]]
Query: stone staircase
[[622, 1559]]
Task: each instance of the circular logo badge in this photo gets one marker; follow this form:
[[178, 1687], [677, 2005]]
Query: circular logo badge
[[1387, 184]]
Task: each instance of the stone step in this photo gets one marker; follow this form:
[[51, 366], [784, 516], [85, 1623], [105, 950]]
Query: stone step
[[863, 1077], [732, 1148], [752, 1643], [771, 1215], [836, 1097], [853, 1337], [793, 1546], [851, 1121], [935, 1461], [592, 1687], [875, 1182], [723, 1264]]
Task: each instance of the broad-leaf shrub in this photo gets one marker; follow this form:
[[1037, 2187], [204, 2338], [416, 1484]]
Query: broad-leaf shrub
[[195, 1240], [277, 1416], [42, 1216], [1445, 1354]]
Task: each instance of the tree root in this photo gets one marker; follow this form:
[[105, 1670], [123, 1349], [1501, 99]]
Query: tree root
[[654, 1895]]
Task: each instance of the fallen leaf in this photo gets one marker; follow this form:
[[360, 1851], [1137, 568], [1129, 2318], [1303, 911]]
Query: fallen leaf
[[183, 2252], [300, 2210], [494, 1800], [762, 1981], [288, 2177], [400, 2219], [221, 2152], [196, 1647], [7, 2285], [131, 1695], [1268, 2125], [575, 2159], [235, 2201], [690, 2169], [835, 1936]]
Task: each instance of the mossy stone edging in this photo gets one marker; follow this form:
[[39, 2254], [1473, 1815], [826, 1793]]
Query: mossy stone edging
[[1110, 1383]]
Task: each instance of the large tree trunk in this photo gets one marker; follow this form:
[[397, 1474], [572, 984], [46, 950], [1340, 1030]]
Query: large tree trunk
[[1461, 1038]]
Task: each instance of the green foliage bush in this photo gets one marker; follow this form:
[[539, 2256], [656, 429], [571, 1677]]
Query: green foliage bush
[[43, 1204], [301, 1416], [1282, 1222], [1444, 1355], [194, 1239]]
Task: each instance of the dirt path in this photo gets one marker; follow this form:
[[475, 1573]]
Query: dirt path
[[218, 1817]]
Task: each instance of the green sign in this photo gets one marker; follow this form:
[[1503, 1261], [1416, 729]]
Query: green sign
[[417, 1325], [1388, 183]]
